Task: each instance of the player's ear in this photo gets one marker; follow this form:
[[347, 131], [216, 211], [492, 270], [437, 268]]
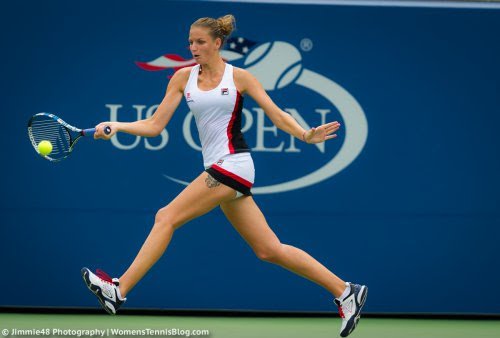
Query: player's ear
[[218, 43]]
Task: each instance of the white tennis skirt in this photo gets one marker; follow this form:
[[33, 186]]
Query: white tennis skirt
[[235, 171]]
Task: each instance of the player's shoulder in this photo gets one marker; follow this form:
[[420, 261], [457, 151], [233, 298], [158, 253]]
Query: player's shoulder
[[182, 73], [244, 80], [180, 78], [240, 72], [242, 75]]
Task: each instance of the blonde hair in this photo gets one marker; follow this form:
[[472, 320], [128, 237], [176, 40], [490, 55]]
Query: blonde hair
[[218, 28]]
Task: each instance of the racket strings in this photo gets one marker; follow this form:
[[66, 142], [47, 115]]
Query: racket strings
[[46, 128]]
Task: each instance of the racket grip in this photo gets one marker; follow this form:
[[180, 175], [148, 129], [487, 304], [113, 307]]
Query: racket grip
[[91, 131], [88, 131]]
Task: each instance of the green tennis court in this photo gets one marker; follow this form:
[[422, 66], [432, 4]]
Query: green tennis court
[[238, 327]]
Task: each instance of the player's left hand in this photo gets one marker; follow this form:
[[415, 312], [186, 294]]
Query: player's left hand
[[322, 133]]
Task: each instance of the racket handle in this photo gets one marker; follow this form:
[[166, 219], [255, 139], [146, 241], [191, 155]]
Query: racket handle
[[91, 131], [88, 131]]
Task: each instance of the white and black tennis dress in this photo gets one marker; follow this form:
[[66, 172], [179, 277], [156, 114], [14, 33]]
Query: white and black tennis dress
[[217, 112]]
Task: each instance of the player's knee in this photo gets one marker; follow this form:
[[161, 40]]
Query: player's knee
[[271, 254], [164, 219]]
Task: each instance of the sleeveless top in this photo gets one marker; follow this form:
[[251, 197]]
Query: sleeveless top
[[217, 113]]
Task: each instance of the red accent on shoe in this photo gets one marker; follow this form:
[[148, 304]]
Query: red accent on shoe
[[341, 312], [103, 275]]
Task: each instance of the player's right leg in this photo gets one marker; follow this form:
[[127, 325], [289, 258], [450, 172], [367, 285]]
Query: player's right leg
[[198, 198]]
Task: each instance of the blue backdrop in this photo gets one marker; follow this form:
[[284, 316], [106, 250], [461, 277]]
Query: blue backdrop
[[405, 200]]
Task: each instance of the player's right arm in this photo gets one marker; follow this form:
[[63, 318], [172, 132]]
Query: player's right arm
[[153, 125]]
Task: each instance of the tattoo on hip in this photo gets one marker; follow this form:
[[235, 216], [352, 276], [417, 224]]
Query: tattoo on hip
[[211, 182]]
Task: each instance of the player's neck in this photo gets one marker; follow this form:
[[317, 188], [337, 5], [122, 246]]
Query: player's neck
[[214, 67]]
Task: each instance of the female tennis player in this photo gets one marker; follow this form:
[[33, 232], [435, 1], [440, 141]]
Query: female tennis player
[[214, 92]]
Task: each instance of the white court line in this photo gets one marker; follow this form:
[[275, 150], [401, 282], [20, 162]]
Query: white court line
[[379, 3]]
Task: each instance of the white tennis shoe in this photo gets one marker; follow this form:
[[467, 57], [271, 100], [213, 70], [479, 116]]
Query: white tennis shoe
[[105, 288], [350, 308]]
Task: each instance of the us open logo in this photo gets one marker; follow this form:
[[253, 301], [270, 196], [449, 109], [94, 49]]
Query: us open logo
[[276, 65]]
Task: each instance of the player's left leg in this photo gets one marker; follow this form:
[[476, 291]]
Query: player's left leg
[[248, 220]]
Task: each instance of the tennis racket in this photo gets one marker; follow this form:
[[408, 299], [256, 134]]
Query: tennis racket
[[62, 136]]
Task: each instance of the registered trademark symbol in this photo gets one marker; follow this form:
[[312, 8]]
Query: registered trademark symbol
[[306, 44]]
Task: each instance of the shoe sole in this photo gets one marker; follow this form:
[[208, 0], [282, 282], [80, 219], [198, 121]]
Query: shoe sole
[[94, 289]]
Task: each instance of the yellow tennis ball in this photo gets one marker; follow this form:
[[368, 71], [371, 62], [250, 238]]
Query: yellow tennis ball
[[44, 148]]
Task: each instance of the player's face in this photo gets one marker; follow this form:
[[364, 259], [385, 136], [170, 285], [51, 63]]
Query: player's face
[[202, 45]]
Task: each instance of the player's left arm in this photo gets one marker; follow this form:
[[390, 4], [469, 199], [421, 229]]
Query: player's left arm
[[248, 84]]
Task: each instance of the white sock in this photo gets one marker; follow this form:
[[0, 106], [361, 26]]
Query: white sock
[[118, 293], [345, 293]]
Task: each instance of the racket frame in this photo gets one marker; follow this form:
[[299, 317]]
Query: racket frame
[[69, 127]]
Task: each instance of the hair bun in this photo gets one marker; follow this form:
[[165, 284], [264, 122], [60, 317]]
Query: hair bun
[[226, 24], [218, 28]]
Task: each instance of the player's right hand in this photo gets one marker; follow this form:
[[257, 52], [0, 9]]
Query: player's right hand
[[100, 130]]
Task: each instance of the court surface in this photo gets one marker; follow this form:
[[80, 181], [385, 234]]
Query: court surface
[[243, 327]]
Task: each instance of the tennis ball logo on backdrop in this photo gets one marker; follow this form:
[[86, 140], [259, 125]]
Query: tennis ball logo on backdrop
[[276, 65]]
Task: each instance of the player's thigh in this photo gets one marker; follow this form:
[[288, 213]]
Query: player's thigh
[[198, 198], [248, 220]]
